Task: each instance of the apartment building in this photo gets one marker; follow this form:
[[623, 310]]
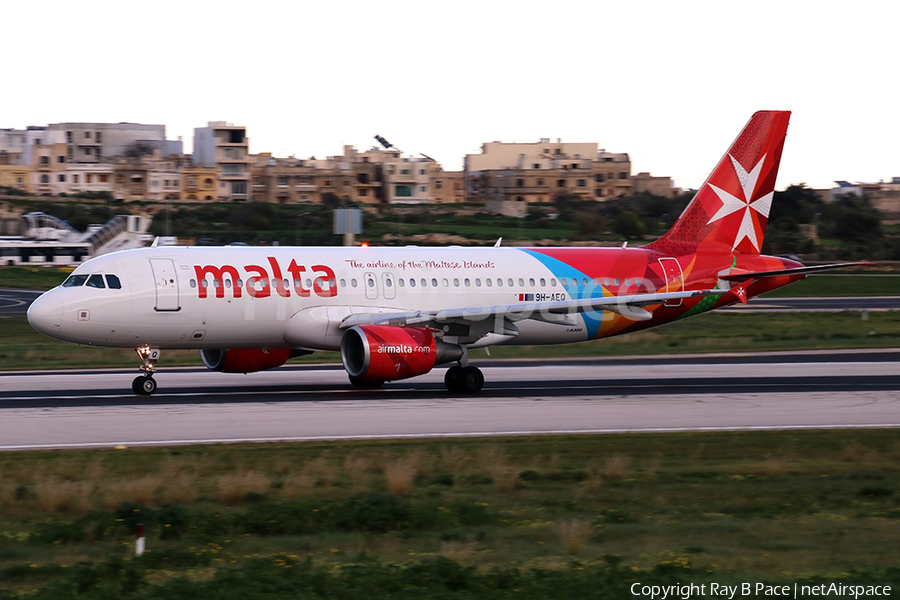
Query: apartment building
[[199, 182], [448, 186], [130, 176], [283, 180], [14, 172], [163, 176], [48, 168], [226, 147], [352, 176], [658, 186], [884, 195], [541, 171], [12, 147], [90, 177], [98, 142]]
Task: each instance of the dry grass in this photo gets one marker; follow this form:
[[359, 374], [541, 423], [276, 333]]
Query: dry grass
[[652, 468], [7, 495], [400, 475], [774, 467], [454, 460], [141, 490], [180, 489], [616, 468], [232, 488], [322, 471], [356, 471], [57, 496], [854, 452], [461, 552], [297, 485], [574, 534], [495, 462]]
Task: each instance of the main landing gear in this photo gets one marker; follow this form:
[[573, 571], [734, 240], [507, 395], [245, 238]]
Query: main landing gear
[[464, 380], [145, 385]]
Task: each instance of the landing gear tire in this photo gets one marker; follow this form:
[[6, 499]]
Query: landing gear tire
[[464, 380], [364, 384], [143, 385], [451, 379]]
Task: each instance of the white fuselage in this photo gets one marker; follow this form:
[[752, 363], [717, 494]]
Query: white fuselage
[[248, 297]]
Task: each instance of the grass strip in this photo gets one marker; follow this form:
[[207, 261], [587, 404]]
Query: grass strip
[[454, 518]]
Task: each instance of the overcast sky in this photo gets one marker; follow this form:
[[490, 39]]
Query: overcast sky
[[671, 83]]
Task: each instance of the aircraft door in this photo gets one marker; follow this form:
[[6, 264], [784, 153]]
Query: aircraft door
[[371, 283], [165, 280], [388, 282], [674, 278]]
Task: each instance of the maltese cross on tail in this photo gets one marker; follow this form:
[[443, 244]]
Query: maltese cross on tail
[[731, 204]]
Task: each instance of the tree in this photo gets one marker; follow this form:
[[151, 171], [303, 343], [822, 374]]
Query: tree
[[138, 149], [331, 200], [629, 225]]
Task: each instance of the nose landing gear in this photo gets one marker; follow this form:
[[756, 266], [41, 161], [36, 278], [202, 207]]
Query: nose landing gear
[[145, 385]]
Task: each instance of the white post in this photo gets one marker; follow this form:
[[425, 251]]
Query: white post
[[139, 544]]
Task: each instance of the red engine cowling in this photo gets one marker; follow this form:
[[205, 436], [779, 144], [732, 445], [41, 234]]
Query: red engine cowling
[[387, 352], [244, 360]]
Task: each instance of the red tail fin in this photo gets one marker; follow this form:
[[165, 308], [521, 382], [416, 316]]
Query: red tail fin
[[730, 212]]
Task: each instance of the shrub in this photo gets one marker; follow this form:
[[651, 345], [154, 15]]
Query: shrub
[[377, 513], [174, 521]]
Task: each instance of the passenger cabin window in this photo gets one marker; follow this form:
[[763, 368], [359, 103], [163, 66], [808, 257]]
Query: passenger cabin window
[[113, 283], [96, 281], [75, 281]]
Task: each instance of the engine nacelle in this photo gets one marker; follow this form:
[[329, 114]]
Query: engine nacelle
[[244, 360], [389, 352]]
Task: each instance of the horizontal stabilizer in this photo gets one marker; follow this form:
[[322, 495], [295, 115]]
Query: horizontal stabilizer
[[737, 275]]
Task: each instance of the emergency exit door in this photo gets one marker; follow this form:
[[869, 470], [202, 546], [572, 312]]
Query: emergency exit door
[[673, 277]]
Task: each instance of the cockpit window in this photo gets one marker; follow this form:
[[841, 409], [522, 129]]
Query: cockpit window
[[113, 282], [75, 281], [96, 281]]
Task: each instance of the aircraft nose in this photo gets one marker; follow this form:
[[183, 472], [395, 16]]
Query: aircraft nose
[[45, 315]]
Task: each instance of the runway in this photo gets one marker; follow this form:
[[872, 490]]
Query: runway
[[15, 302], [725, 392]]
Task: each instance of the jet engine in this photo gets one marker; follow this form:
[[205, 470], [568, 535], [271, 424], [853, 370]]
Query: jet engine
[[244, 360], [378, 353]]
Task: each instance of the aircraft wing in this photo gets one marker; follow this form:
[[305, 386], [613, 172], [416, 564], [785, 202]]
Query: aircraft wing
[[559, 312]]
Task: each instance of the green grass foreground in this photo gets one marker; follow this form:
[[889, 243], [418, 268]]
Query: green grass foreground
[[23, 348], [523, 517]]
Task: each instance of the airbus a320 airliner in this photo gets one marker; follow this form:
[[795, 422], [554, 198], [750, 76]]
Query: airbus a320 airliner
[[396, 313]]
